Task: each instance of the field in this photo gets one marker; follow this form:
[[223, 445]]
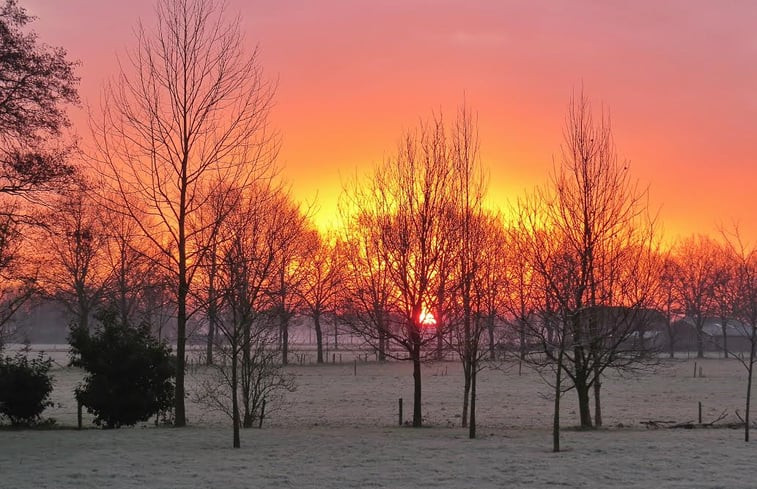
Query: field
[[340, 430]]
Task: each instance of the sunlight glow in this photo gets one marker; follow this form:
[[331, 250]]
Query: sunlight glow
[[427, 318]]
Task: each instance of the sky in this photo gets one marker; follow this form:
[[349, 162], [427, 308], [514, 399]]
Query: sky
[[679, 79]]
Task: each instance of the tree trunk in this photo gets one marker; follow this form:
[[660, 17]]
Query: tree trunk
[[466, 390], [211, 339], [234, 395], [700, 339], [284, 330], [416, 357], [490, 328], [382, 346], [750, 370], [583, 403], [725, 337], [558, 394], [318, 337], [472, 424], [597, 402], [180, 419], [522, 353], [212, 306], [748, 399]]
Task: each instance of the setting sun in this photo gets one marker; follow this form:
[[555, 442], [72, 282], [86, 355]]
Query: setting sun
[[427, 318]]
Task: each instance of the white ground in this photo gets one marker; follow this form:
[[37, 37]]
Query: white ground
[[339, 430]]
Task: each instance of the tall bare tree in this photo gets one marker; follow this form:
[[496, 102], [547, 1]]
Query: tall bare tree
[[743, 257], [189, 109], [592, 242], [245, 276], [469, 229], [403, 207]]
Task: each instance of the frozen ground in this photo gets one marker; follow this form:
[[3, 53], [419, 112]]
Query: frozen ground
[[338, 430]]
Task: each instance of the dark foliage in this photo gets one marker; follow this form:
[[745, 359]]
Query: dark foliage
[[36, 84], [25, 387], [129, 373]]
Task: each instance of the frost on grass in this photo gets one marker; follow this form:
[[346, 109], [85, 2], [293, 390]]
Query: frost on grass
[[338, 430]]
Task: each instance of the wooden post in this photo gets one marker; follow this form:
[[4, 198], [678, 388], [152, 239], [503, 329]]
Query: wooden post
[[400, 411], [700, 412], [355, 364], [333, 358], [78, 414], [262, 414], [695, 370], [340, 358]]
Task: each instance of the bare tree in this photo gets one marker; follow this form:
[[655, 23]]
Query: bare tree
[[744, 292], [520, 283], [695, 279], [74, 268], [245, 270], [469, 229], [188, 110], [403, 209], [667, 301], [320, 286], [363, 304], [592, 242], [129, 266], [725, 293], [473, 318], [291, 261]]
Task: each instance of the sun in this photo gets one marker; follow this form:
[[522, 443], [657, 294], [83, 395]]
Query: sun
[[427, 318]]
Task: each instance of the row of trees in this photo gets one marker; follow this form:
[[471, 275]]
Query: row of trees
[[177, 212]]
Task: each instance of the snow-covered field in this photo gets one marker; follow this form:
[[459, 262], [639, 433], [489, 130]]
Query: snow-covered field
[[339, 430]]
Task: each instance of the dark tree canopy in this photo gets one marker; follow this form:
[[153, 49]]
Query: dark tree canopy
[[129, 373], [37, 82]]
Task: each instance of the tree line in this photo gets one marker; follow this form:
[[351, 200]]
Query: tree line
[[174, 211]]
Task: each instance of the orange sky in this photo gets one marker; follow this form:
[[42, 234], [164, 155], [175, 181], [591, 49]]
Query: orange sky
[[679, 77]]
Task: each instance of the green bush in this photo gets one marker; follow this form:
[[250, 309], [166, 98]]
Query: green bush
[[129, 373], [25, 387]]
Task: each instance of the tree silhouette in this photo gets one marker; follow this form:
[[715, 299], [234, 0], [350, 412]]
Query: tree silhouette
[[186, 114], [37, 83]]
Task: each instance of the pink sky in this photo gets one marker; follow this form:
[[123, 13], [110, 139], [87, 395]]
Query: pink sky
[[679, 77]]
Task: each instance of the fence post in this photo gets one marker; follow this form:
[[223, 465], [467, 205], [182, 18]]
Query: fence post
[[78, 414], [700, 412], [400, 411]]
